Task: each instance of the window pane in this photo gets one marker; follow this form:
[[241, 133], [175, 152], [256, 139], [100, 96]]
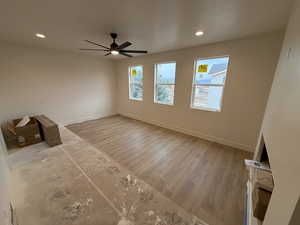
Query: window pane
[[165, 73], [136, 91], [136, 74], [165, 82], [136, 82], [211, 71], [208, 97], [165, 94]]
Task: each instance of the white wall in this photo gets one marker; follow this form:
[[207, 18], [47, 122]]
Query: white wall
[[4, 185], [251, 70], [281, 127], [66, 87], [295, 220]]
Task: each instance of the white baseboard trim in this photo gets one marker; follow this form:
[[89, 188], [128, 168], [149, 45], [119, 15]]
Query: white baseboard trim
[[195, 134], [87, 119]]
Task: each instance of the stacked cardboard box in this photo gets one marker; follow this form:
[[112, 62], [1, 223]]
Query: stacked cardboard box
[[261, 199], [49, 130], [259, 190], [263, 187], [27, 134]]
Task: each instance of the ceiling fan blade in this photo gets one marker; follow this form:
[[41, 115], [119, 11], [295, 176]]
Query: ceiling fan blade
[[107, 54], [122, 53], [91, 42], [91, 49], [134, 51], [124, 45]]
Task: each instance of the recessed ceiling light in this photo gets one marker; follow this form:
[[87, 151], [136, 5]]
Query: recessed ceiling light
[[199, 33], [40, 35], [114, 52]]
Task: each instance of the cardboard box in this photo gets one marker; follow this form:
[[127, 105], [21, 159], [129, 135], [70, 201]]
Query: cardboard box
[[264, 179], [9, 138], [49, 130], [261, 199], [26, 135]]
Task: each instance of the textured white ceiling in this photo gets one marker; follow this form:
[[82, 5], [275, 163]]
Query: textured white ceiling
[[154, 25]]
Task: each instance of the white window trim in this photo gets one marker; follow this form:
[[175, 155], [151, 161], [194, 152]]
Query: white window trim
[[129, 83], [154, 96], [215, 85]]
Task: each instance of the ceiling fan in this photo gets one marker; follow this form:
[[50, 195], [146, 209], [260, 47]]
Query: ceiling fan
[[114, 48]]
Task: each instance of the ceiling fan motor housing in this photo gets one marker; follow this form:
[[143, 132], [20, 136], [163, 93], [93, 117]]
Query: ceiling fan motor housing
[[113, 35], [114, 45]]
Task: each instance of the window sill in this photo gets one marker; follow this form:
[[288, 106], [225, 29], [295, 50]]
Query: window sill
[[205, 109], [163, 103], [136, 99]]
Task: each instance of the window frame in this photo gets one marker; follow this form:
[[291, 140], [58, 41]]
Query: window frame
[[208, 85], [155, 84], [130, 83]]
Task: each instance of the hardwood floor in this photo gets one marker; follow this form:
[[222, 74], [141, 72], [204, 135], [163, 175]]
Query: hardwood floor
[[205, 178]]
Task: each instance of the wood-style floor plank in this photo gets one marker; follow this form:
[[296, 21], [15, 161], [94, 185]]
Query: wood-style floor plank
[[205, 178]]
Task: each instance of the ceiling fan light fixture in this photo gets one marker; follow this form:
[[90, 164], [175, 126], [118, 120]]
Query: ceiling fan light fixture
[[199, 33], [114, 52], [40, 35]]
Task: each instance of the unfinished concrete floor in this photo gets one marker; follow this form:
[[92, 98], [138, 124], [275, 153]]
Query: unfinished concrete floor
[[77, 184], [49, 189]]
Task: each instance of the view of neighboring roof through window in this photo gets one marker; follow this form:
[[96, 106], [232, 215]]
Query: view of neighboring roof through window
[[135, 78], [164, 83], [208, 83]]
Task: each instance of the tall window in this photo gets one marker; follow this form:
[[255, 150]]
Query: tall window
[[164, 83], [208, 83], [136, 83]]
